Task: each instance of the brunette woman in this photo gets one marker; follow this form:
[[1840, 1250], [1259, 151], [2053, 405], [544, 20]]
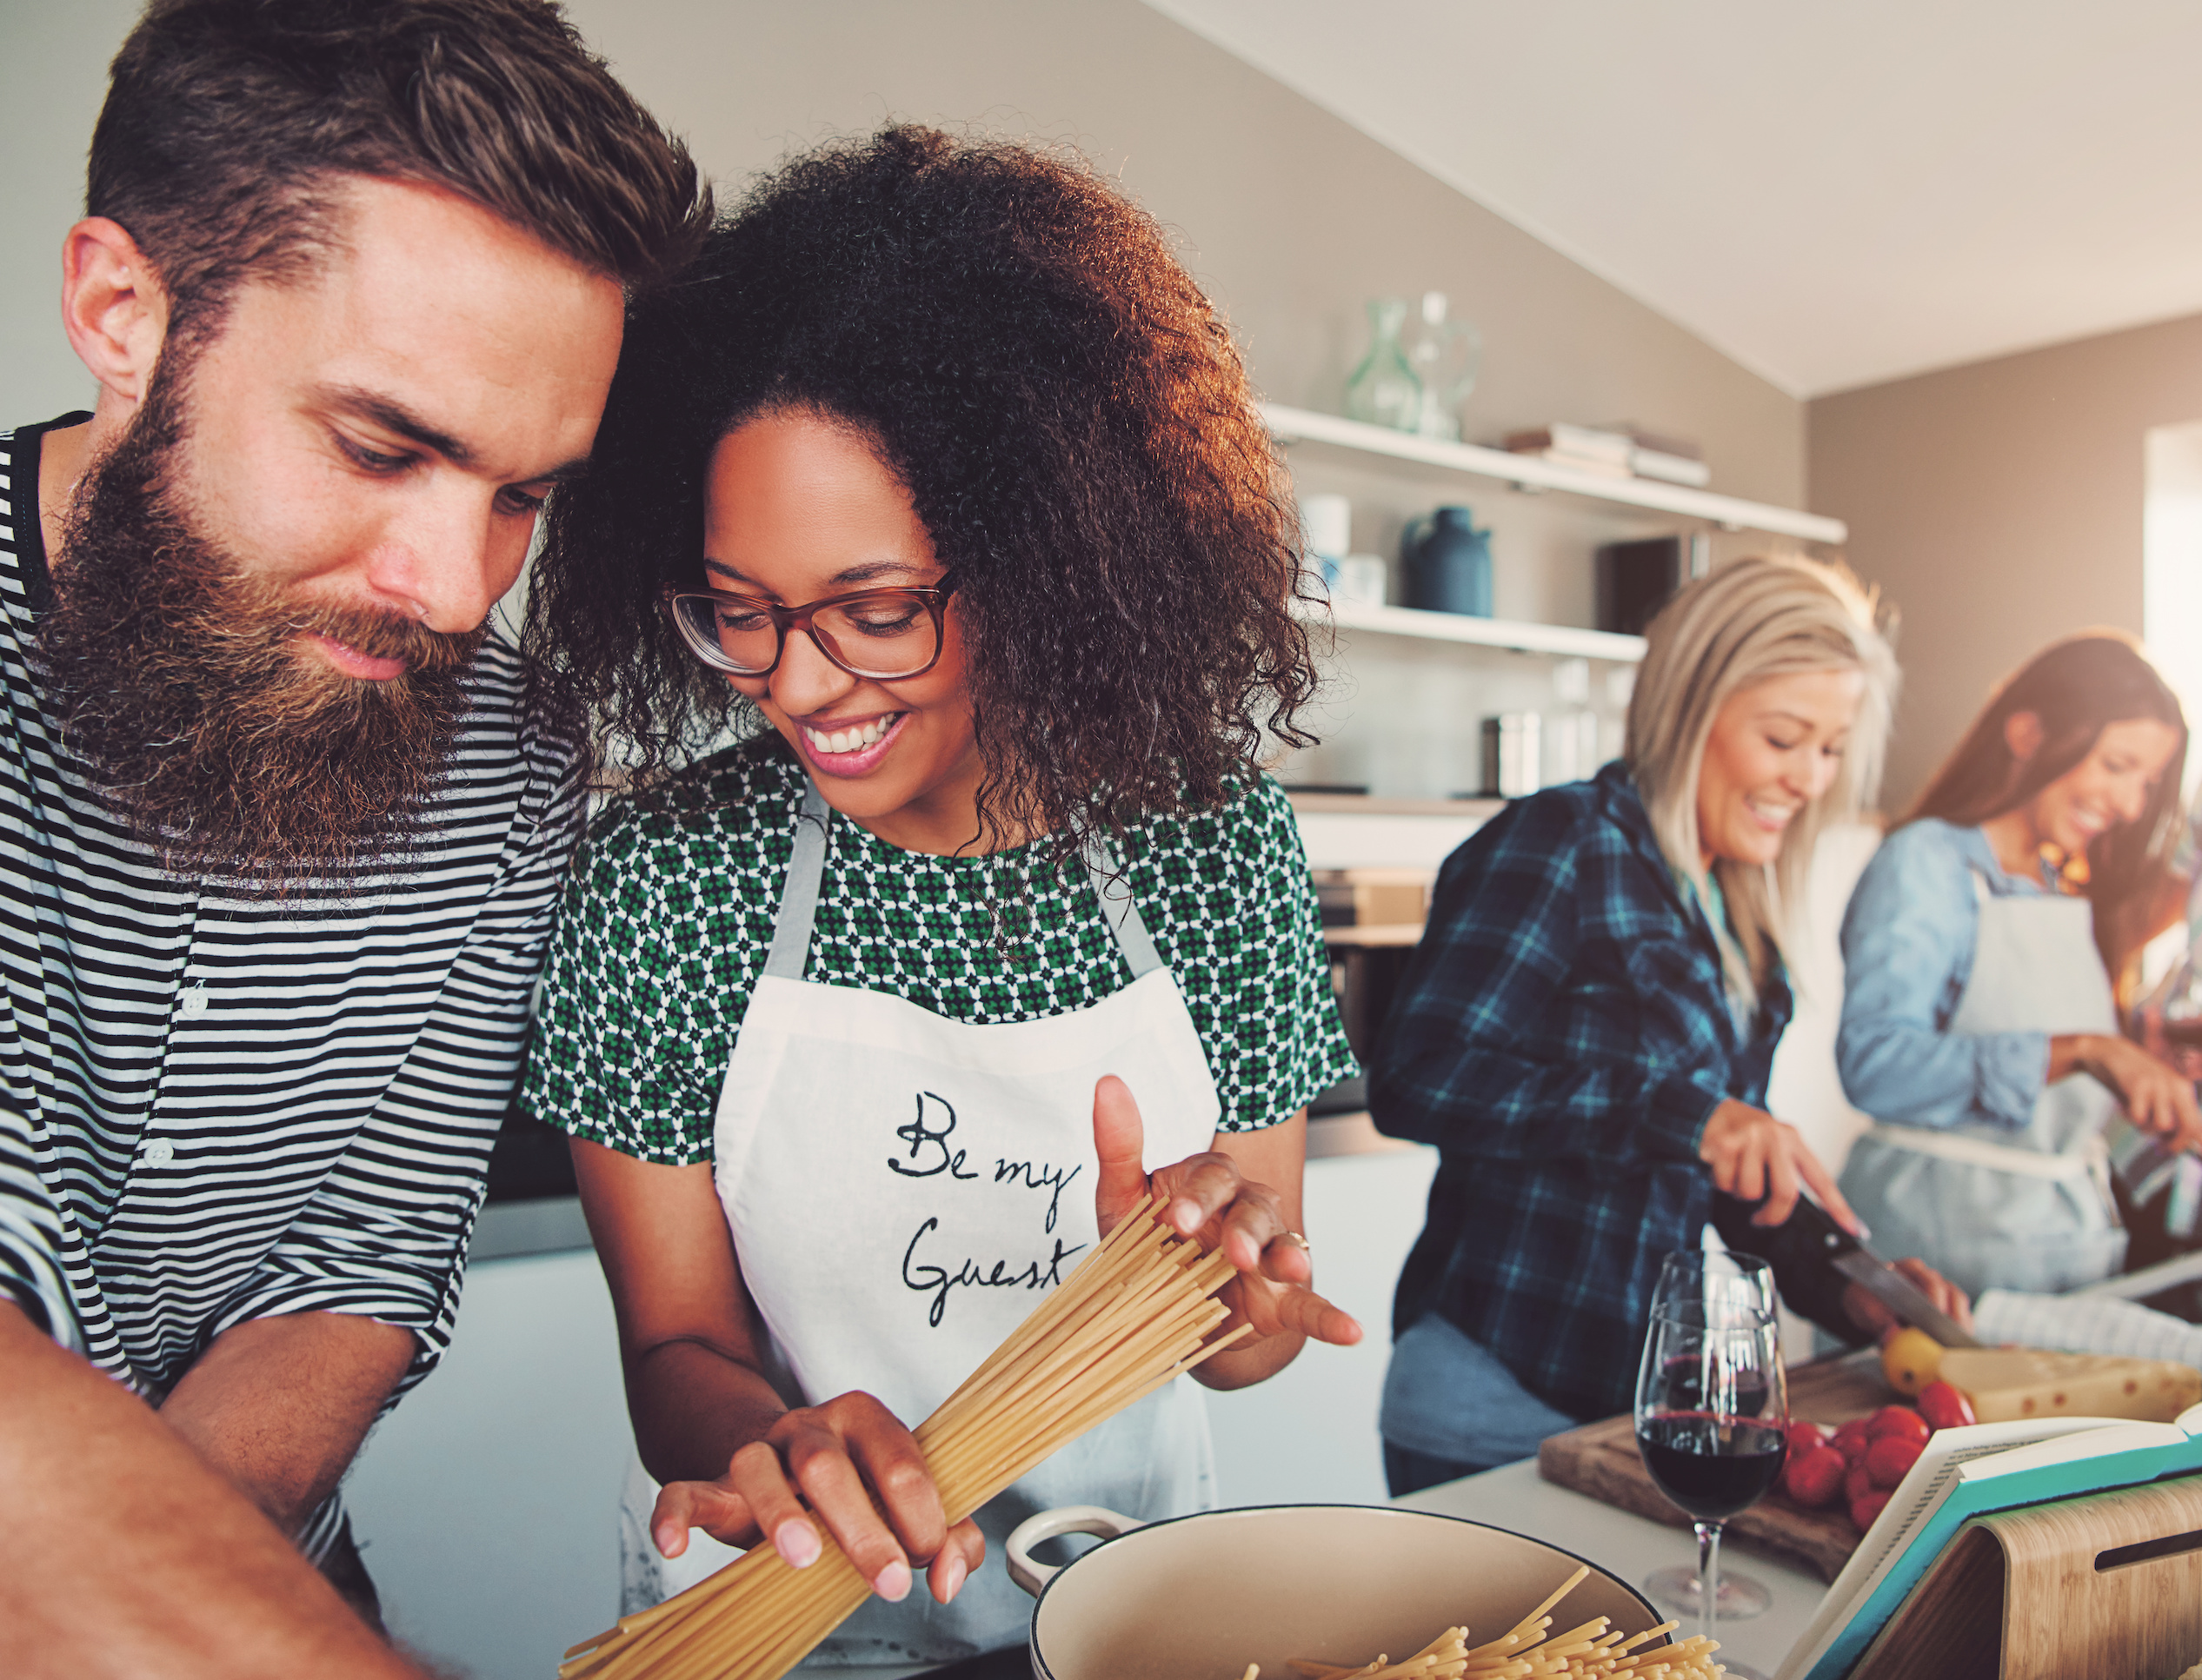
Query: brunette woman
[[1978, 1026], [943, 481]]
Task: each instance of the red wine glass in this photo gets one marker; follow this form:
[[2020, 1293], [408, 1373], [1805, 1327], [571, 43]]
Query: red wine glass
[[1711, 1412]]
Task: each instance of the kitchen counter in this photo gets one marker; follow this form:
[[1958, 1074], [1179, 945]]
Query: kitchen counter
[[1514, 1497]]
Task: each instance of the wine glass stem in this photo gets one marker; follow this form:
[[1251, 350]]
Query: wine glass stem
[[1708, 1575]]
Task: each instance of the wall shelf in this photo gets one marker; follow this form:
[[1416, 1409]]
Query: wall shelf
[[1561, 640], [1291, 426]]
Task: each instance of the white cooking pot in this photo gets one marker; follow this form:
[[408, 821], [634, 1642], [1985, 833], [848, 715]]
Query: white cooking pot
[[1199, 1598]]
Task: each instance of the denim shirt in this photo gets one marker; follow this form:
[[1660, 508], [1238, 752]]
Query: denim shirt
[[1908, 940]]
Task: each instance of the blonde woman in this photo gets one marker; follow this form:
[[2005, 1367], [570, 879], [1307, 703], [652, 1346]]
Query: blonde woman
[[1585, 1030]]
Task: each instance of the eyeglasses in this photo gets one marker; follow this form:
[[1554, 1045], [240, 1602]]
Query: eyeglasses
[[873, 633]]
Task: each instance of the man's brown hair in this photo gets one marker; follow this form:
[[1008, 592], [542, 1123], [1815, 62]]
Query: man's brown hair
[[230, 124]]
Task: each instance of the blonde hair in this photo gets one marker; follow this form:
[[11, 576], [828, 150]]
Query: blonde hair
[[1747, 622]]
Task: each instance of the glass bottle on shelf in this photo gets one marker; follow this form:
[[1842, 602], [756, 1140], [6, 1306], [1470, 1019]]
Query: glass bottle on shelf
[[1446, 357], [1384, 390]]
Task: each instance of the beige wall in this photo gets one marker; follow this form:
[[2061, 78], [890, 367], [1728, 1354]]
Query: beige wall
[[1999, 506], [1290, 216]]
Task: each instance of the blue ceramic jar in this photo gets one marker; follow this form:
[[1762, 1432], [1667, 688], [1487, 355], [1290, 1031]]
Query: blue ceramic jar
[[1448, 562]]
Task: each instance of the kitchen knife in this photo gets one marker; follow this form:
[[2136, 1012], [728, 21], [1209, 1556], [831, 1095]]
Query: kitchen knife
[[1877, 1276]]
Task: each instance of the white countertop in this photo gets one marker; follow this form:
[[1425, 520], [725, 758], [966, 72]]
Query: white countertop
[[1514, 1497]]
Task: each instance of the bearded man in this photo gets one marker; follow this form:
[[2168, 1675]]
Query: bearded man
[[282, 824]]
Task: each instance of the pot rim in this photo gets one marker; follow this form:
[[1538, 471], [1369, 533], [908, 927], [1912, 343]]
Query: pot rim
[[1041, 1672]]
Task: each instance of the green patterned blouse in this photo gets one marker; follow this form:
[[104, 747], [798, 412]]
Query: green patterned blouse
[[666, 920]]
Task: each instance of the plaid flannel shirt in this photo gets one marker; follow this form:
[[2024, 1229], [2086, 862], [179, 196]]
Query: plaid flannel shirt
[[1562, 1035]]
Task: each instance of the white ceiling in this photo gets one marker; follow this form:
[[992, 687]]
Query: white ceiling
[[1834, 194]]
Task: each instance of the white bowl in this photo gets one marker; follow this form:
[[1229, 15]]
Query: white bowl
[[1199, 1598]]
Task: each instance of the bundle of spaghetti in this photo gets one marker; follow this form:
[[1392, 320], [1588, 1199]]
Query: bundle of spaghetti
[[1136, 1313], [1529, 1652]]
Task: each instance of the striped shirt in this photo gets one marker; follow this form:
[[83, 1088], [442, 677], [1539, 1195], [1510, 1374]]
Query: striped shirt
[[214, 1108]]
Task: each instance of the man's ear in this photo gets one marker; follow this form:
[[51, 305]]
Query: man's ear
[[113, 306], [2022, 734]]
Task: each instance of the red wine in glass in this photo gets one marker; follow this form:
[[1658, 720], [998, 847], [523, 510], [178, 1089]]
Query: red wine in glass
[[1712, 1413], [1710, 1465]]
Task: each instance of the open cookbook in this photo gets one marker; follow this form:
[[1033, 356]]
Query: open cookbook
[[1967, 1472]]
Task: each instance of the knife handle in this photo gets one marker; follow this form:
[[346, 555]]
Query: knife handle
[[1807, 1223]]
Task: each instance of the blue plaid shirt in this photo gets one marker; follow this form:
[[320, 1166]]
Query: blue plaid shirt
[[1562, 1035]]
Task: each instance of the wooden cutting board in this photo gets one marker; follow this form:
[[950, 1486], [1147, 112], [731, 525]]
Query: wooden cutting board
[[1602, 1459]]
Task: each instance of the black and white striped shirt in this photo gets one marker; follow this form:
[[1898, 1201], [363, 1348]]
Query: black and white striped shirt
[[217, 1108]]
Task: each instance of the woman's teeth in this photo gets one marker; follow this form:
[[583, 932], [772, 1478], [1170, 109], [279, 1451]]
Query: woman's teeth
[[1777, 814], [850, 740]]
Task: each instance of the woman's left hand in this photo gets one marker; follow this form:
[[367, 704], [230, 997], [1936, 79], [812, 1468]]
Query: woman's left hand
[[1876, 1320], [1216, 1206]]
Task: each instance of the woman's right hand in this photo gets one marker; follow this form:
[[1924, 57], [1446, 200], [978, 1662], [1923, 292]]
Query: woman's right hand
[[2156, 1098], [1754, 1155], [811, 1465]]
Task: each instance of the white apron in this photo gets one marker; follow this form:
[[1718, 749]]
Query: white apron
[[901, 1189], [2030, 1211]]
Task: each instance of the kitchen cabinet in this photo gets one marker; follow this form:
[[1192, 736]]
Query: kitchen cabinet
[[1309, 1432], [485, 1504]]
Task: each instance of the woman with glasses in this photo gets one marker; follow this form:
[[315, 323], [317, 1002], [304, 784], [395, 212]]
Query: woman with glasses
[[941, 483]]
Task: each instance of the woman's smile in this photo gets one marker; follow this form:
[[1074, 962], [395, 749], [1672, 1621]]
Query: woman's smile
[[849, 747], [1772, 814]]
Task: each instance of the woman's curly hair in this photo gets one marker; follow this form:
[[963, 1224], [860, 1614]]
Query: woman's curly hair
[[1076, 431]]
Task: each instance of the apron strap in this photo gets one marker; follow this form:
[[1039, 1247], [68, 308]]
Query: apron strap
[[806, 869], [2090, 1160], [1119, 913], [799, 897]]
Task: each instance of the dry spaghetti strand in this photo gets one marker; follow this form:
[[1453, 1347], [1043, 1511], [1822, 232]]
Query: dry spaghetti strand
[[1529, 1652], [1133, 1314]]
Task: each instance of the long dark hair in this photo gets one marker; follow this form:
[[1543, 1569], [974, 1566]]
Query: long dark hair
[[1072, 422], [2076, 687]]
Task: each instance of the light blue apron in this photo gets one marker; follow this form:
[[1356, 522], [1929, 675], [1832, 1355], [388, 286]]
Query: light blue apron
[[1989, 1207]]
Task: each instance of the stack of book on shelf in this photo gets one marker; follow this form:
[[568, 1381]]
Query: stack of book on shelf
[[1916, 1599], [1614, 452]]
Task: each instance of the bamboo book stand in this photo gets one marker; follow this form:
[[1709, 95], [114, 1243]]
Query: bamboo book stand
[[2107, 1586]]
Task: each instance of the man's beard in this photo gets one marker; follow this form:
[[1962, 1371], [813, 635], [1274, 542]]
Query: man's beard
[[181, 685]]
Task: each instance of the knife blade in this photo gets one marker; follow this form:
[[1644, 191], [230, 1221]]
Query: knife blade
[[1902, 1297]]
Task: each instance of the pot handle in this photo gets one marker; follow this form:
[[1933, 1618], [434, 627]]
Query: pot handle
[[1064, 1519]]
